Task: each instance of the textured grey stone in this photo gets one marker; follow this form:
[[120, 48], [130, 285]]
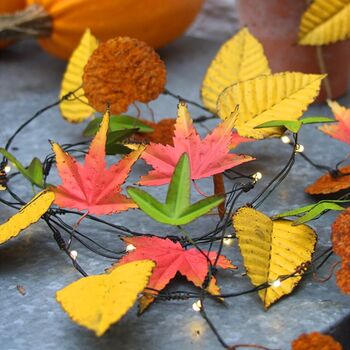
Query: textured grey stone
[[30, 80]]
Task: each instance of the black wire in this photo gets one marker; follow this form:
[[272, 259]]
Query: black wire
[[193, 103]]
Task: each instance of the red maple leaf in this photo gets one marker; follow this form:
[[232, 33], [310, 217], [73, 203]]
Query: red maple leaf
[[207, 157], [92, 186], [171, 258], [340, 130]]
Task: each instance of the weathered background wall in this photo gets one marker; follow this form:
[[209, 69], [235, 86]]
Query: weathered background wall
[[217, 20]]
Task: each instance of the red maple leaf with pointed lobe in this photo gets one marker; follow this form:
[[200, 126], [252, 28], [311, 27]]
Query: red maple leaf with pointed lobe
[[340, 130], [92, 186], [171, 258], [207, 157]]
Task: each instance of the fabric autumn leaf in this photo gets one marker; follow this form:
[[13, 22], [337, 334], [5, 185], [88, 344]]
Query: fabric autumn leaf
[[207, 157], [340, 130], [240, 58], [27, 215], [164, 134], [325, 22], [92, 186], [315, 341], [122, 71], [76, 110], [272, 249], [171, 258], [97, 302], [330, 183]]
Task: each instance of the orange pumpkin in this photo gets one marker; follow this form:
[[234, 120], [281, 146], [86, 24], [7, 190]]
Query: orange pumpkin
[[156, 22], [9, 6]]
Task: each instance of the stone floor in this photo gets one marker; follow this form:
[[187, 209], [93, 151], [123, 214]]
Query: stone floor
[[30, 79]]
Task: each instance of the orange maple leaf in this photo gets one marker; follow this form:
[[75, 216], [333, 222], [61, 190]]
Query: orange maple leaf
[[207, 157], [92, 186], [171, 258]]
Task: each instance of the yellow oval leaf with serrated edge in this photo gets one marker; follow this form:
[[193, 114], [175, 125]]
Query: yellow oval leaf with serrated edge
[[97, 302], [283, 96], [28, 215], [272, 250], [240, 58], [76, 108], [325, 22]]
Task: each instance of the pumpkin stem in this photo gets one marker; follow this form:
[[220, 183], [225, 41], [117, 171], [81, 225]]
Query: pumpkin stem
[[33, 21]]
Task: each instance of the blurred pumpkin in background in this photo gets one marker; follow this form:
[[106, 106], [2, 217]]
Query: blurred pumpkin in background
[[59, 24], [9, 6]]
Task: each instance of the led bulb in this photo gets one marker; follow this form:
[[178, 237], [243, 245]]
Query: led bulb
[[197, 306], [285, 139], [130, 247], [257, 176], [228, 240], [276, 283], [7, 169], [73, 254], [299, 148]]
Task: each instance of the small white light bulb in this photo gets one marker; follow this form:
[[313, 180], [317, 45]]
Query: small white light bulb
[[228, 240], [276, 283], [257, 176], [7, 169], [130, 248], [73, 254], [197, 306], [299, 148], [285, 139]]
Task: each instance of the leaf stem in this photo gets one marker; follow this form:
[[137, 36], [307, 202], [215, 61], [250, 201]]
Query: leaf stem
[[323, 70]]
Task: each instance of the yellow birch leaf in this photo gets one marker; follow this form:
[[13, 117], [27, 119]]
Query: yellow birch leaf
[[271, 250], [28, 215], [325, 22], [97, 302], [75, 110], [240, 58], [282, 96]]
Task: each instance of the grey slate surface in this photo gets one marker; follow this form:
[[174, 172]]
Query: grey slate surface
[[30, 80]]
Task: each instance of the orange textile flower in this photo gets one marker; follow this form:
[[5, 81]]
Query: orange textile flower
[[163, 132], [343, 277], [121, 71], [341, 235], [315, 341]]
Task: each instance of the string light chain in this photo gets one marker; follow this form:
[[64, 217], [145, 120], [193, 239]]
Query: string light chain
[[285, 139], [197, 306], [130, 248], [299, 148], [7, 169], [73, 254], [228, 240], [275, 283], [257, 176]]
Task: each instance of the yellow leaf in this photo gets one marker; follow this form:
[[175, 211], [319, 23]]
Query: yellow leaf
[[75, 110], [283, 96], [29, 214], [325, 22], [240, 58], [97, 302], [271, 250]]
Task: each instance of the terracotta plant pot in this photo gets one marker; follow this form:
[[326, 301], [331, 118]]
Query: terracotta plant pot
[[276, 24]]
